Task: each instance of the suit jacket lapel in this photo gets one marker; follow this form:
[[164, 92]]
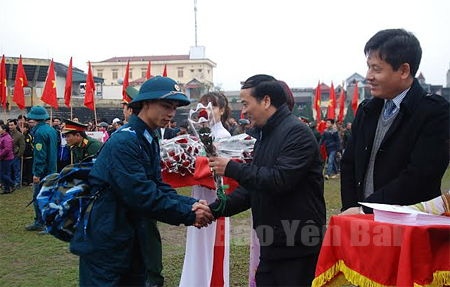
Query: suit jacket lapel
[[394, 126], [372, 109]]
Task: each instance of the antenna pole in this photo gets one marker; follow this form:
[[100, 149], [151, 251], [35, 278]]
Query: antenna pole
[[195, 13]]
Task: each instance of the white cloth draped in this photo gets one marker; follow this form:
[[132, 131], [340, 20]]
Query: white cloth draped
[[199, 257]]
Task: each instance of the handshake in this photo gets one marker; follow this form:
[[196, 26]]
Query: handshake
[[203, 215]]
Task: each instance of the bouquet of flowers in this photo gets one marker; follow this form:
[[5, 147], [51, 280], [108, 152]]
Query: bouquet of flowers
[[178, 154], [201, 121], [238, 147]]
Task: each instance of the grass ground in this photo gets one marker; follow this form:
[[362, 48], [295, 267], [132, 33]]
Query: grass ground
[[27, 259]]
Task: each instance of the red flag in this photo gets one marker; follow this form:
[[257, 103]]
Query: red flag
[[341, 104], [20, 82], [242, 115], [49, 94], [3, 82], [68, 87], [317, 103], [332, 104], [355, 99], [165, 71], [126, 83], [149, 68], [90, 88]]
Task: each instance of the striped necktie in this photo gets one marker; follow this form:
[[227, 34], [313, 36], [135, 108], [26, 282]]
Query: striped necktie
[[389, 108]]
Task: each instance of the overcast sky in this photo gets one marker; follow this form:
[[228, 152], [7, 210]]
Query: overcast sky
[[297, 41]]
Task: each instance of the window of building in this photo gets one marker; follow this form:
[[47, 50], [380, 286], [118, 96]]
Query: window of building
[[130, 74], [143, 73], [114, 74], [192, 70], [180, 72], [209, 71], [100, 73], [200, 70]]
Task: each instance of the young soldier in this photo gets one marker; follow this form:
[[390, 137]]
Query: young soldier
[[119, 239], [45, 146]]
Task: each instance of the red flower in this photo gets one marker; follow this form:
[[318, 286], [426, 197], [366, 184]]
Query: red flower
[[203, 114], [182, 141]]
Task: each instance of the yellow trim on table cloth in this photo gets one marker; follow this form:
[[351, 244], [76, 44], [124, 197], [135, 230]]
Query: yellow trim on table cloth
[[440, 278], [352, 276]]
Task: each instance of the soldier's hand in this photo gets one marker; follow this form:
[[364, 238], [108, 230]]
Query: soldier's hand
[[203, 215], [36, 180]]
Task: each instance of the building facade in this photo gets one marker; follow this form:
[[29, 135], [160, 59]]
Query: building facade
[[36, 72], [194, 72]]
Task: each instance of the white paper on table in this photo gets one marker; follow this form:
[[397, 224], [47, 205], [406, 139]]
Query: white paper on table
[[392, 208]]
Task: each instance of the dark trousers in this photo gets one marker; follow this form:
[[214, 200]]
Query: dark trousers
[[27, 177], [6, 174], [286, 272], [37, 211], [15, 167], [92, 274]]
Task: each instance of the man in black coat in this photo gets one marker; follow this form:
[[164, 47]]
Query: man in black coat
[[283, 186], [398, 150]]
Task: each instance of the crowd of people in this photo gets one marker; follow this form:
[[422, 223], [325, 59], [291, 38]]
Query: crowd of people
[[395, 152]]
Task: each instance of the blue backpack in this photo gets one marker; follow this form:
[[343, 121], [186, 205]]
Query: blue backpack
[[64, 198]]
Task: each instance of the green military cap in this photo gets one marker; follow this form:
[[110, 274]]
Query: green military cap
[[72, 126], [132, 92]]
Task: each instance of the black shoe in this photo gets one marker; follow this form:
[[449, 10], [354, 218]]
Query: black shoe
[[43, 232], [34, 227]]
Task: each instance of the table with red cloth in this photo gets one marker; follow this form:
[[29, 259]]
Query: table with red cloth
[[370, 253]]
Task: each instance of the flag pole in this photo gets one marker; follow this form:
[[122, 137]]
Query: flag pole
[[95, 109], [71, 109], [23, 117], [51, 115], [4, 109]]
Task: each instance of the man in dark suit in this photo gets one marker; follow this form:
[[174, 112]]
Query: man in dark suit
[[398, 150], [167, 132], [283, 186]]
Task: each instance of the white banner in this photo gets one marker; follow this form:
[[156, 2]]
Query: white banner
[[96, 135]]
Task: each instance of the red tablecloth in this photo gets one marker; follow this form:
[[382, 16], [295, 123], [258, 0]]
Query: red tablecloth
[[370, 253], [202, 176]]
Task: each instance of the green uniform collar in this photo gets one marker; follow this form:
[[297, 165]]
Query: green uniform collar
[[38, 125]]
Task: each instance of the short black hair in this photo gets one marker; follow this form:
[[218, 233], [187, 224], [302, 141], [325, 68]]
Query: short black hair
[[13, 121], [396, 47], [5, 127], [263, 85], [57, 118]]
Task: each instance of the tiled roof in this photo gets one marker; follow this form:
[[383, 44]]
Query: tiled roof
[[147, 58]]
